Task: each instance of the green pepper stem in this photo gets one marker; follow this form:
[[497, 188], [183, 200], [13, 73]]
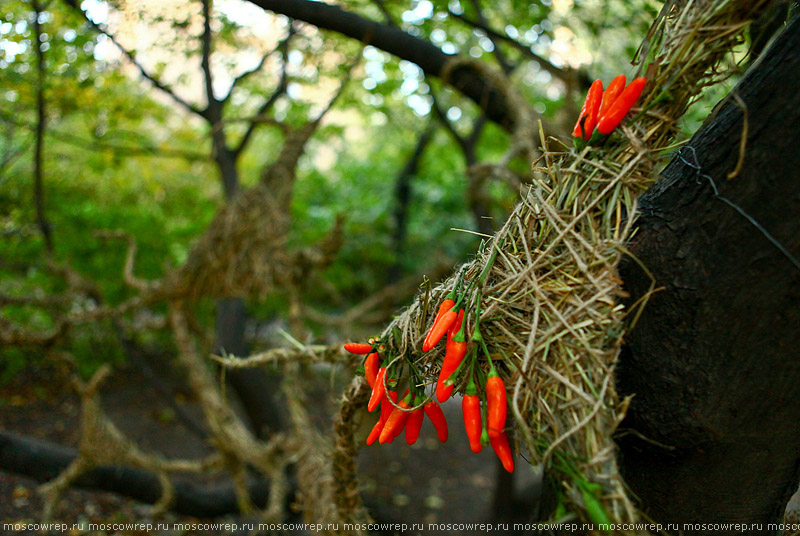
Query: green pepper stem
[[452, 379], [476, 333], [489, 264], [471, 390], [492, 370]]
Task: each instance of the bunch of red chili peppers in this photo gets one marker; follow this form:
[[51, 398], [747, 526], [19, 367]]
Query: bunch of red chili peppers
[[605, 110], [485, 424], [409, 412]]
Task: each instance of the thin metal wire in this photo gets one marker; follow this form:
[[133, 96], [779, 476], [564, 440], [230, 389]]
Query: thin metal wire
[[699, 170]]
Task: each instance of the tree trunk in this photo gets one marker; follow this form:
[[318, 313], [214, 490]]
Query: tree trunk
[[713, 431], [256, 388], [402, 196], [41, 125]]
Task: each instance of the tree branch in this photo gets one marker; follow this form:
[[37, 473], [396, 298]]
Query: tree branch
[[41, 125], [246, 74], [558, 72], [402, 193], [442, 116], [283, 46], [93, 145], [213, 107], [155, 81], [389, 19], [464, 77], [10, 151], [498, 53]]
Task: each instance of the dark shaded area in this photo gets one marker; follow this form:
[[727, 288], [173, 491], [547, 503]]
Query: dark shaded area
[[43, 461], [257, 390], [713, 431]]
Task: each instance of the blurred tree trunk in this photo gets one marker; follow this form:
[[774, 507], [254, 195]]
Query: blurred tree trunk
[[402, 194], [255, 388], [713, 430], [41, 126]]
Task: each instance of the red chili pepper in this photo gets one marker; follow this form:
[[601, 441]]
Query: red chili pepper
[[358, 348], [611, 93], [587, 119], [456, 350], [471, 408], [612, 118], [396, 421], [377, 390], [503, 451], [399, 429], [414, 425], [436, 415], [455, 326], [371, 364], [386, 410], [440, 326], [495, 403], [445, 306]]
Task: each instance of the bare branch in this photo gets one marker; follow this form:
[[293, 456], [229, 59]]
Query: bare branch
[[246, 74], [402, 193], [213, 107], [130, 260], [342, 86], [296, 138], [10, 152], [477, 130], [498, 53], [388, 18], [563, 74], [154, 80], [283, 46], [442, 116], [306, 355], [380, 306], [41, 126], [431, 59], [94, 145]]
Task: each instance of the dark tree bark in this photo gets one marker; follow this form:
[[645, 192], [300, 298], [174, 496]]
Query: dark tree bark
[[713, 431]]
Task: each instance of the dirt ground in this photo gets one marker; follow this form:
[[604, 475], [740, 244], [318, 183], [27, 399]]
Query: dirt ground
[[425, 483]]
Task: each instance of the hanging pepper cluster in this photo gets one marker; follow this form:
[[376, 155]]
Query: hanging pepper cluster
[[605, 110], [395, 416], [484, 403]]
